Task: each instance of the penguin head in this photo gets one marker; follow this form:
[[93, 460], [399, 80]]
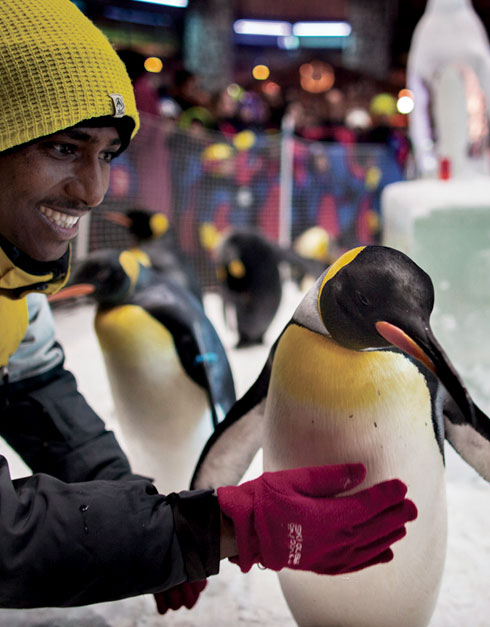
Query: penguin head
[[143, 224], [146, 225], [107, 276], [374, 297], [371, 284]]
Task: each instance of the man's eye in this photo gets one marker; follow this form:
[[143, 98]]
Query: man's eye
[[61, 148], [108, 155]]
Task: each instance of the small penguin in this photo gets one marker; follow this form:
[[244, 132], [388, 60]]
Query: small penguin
[[358, 376], [167, 368], [156, 246], [247, 267]]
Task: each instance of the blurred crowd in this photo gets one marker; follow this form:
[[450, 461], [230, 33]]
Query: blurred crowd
[[218, 158]]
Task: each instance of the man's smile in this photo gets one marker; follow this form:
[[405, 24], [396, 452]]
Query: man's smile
[[59, 219]]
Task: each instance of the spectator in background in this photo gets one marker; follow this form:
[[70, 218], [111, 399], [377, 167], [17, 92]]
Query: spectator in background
[[225, 111], [186, 91]]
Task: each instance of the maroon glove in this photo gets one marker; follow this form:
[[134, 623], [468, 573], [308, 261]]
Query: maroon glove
[[185, 594], [294, 519]]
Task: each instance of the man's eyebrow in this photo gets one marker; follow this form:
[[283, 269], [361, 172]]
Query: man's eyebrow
[[76, 133]]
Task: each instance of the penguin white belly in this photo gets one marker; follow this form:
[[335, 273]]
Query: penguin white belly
[[164, 416], [329, 405]]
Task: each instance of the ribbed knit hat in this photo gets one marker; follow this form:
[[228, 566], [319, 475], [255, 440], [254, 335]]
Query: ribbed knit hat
[[56, 69]]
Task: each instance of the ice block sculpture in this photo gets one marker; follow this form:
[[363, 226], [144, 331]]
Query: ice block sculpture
[[448, 71]]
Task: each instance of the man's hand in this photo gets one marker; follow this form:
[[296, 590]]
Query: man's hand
[[298, 519], [183, 595]]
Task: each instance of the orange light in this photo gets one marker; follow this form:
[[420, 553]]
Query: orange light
[[261, 72], [405, 93], [271, 89], [153, 64], [316, 77]]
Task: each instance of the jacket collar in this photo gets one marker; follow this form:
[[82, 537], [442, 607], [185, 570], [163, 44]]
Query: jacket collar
[[20, 274]]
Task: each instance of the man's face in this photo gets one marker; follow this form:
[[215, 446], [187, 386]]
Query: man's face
[[47, 186]]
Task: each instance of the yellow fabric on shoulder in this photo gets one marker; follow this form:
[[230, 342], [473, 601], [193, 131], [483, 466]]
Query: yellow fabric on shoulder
[[14, 320], [15, 284]]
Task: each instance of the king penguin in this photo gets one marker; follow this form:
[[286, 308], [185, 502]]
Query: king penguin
[[247, 267], [156, 246], [357, 375], [168, 371]]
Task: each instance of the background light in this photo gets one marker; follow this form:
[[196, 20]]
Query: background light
[[234, 90], [170, 3], [322, 29], [290, 42], [271, 88], [153, 64], [262, 27], [316, 77], [405, 104], [261, 72]]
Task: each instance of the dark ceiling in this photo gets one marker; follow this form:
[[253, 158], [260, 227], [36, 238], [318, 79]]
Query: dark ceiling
[[406, 15], [403, 15]]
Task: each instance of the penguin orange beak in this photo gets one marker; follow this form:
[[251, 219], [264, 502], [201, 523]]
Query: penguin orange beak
[[72, 291], [429, 352], [394, 335]]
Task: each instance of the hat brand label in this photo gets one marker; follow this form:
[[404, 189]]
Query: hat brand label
[[118, 102]]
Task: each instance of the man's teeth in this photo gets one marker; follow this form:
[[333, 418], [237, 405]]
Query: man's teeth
[[60, 219]]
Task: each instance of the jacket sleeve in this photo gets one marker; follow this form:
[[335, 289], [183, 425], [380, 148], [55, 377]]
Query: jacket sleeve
[[52, 427], [83, 529], [82, 543], [45, 419]]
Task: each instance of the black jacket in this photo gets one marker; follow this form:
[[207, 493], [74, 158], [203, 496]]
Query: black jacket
[[83, 529]]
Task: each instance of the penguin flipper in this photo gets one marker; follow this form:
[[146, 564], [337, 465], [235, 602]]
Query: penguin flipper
[[235, 441], [197, 343], [471, 441]]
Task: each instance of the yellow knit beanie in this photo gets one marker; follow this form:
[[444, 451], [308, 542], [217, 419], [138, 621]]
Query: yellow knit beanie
[[56, 69]]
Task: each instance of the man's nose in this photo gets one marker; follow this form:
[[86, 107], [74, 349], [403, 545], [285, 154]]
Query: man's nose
[[89, 182]]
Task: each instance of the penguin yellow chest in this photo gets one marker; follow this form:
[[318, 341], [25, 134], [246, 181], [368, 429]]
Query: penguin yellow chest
[[339, 405], [139, 353], [330, 405], [163, 414]]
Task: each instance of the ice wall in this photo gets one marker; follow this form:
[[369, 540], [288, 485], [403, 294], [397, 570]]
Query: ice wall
[[444, 226]]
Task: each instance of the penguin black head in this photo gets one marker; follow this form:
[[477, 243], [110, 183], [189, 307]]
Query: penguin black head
[[107, 276], [143, 224], [370, 284], [374, 297]]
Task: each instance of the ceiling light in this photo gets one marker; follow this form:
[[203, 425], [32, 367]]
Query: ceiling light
[[322, 29], [171, 3], [262, 27]]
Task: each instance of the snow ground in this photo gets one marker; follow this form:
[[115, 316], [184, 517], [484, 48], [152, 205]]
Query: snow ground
[[232, 598]]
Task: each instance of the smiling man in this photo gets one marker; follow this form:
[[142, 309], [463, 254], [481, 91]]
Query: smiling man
[[52, 183], [83, 528]]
